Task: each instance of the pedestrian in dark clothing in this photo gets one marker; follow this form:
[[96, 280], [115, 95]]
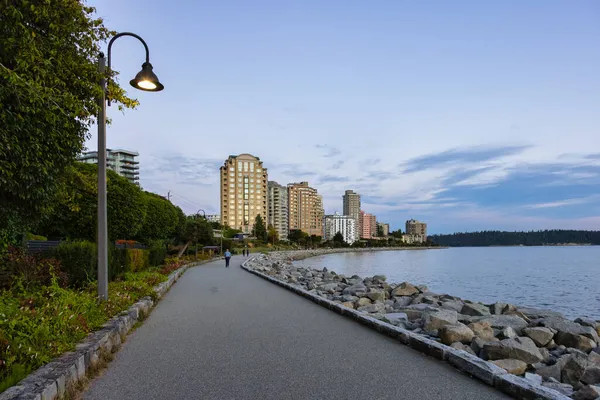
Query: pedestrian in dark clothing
[[227, 257]]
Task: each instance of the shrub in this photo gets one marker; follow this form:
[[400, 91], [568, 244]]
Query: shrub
[[28, 270], [137, 259], [79, 261], [157, 255]]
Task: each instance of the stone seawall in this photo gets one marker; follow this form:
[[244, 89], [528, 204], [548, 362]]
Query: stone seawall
[[526, 352]]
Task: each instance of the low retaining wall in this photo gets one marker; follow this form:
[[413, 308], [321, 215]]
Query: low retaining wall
[[52, 380], [460, 359]]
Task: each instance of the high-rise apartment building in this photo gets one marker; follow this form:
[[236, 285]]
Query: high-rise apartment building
[[385, 228], [368, 224], [344, 224], [243, 192], [414, 227], [352, 208], [123, 162], [278, 209], [213, 218], [305, 207]]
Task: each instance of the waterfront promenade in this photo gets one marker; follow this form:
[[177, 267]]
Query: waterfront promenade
[[222, 333]]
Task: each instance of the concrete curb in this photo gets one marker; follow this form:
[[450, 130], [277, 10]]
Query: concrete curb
[[51, 381], [485, 371]]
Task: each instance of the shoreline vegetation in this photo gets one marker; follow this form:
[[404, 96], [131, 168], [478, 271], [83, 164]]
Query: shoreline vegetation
[[554, 237], [542, 346]]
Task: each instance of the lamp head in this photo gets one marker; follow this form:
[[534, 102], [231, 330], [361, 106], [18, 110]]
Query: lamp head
[[146, 80]]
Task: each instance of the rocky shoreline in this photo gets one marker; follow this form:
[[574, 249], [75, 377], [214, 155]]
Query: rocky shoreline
[[540, 345]]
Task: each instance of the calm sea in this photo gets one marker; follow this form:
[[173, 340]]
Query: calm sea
[[565, 279]]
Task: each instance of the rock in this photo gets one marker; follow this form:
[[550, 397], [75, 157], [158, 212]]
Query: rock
[[587, 322], [363, 301], [402, 301], [396, 318], [512, 348], [551, 345], [562, 388], [348, 304], [503, 321], [512, 366], [540, 335], [389, 302], [477, 345], [456, 333], [348, 297], [565, 326], [475, 309], [497, 308], [507, 333], [437, 319], [372, 308], [311, 286], [580, 342], [594, 358], [405, 289], [509, 308], [482, 330], [452, 305], [358, 289], [591, 376], [545, 353], [378, 315], [533, 378], [535, 313], [460, 346], [328, 287], [573, 370], [376, 295], [587, 393], [548, 371]]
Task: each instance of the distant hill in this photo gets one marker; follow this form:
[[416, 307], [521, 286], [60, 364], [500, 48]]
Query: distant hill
[[533, 238]]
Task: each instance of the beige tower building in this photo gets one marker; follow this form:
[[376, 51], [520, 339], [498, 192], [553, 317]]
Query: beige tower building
[[243, 192], [352, 209], [305, 208], [278, 209]]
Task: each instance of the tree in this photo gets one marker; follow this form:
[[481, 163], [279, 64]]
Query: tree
[[338, 240], [296, 235], [49, 86], [397, 234], [272, 235], [196, 230], [379, 230], [258, 230], [162, 218]]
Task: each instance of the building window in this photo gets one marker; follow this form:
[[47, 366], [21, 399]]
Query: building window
[[245, 166], [251, 166], [232, 169], [239, 166]]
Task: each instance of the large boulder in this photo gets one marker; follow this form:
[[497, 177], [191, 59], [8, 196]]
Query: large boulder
[[587, 393], [463, 347], [507, 333], [536, 313], [363, 301], [591, 375], [373, 308], [328, 287], [475, 309], [512, 366], [520, 349], [358, 289], [402, 301], [348, 304], [405, 289], [579, 342], [562, 388], [482, 330], [455, 333], [540, 335], [396, 318], [497, 308], [502, 321], [573, 370], [376, 295], [453, 305], [435, 320], [570, 327]]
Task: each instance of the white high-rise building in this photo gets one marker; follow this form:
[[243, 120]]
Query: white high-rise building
[[344, 224], [352, 208], [123, 162], [278, 209]]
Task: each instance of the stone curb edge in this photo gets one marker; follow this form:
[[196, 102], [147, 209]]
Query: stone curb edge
[[51, 381], [485, 371]]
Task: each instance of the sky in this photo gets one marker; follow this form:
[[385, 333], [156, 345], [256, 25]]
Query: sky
[[467, 115]]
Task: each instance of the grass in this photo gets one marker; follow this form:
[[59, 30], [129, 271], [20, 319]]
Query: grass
[[41, 323]]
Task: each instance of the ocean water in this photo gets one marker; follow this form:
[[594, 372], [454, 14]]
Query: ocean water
[[564, 279]]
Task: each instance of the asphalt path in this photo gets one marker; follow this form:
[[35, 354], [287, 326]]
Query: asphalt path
[[222, 333]]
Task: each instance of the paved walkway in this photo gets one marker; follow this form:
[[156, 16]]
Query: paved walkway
[[226, 334]]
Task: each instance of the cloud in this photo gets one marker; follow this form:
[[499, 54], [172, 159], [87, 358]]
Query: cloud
[[455, 156], [330, 151], [337, 165]]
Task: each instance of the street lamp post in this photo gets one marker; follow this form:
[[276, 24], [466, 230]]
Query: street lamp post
[[144, 80]]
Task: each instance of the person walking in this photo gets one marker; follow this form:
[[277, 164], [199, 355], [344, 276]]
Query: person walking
[[227, 258]]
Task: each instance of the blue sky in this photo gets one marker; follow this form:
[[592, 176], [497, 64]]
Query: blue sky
[[468, 115]]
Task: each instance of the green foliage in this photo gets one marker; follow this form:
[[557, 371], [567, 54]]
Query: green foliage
[[48, 99], [397, 234], [272, 234], [258, 230], [198, 230], [230, 232], [533, 238], [137, 260], [125, 207], [28, 270], [297, 236], [157, 252], [338, 240], [79, 261], [162, 218]]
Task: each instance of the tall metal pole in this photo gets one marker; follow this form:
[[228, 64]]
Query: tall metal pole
[[102, 218]]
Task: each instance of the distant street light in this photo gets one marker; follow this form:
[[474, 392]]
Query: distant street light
[[203, 212], [144, 80]]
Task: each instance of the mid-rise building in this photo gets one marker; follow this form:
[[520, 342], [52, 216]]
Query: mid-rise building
[[352, 208], [385, 229], [243, 192], [305, 207], [213, 218], [344, 224], [123, 162], [414, 227], [368, 224], [278, 209]]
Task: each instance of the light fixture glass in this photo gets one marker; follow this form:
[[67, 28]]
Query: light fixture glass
[[146, 79]]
